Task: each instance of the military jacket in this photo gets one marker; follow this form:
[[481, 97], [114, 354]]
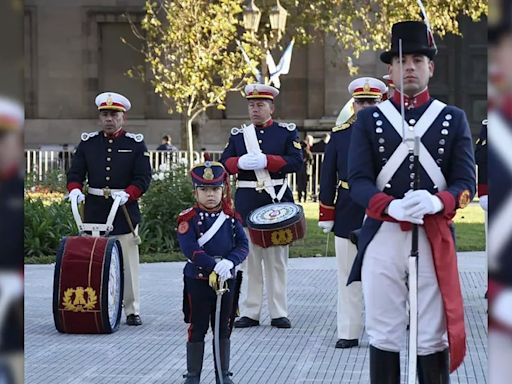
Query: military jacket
[[279, 141], [334, 187], [374, 140], [117, 163], [229, 242]]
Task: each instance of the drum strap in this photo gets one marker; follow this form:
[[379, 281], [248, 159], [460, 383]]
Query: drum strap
[[207, 236], [253, 147], [427, 162]]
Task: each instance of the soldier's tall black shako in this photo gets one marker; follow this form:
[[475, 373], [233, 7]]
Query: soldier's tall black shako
[[381, 178], [114, 163]]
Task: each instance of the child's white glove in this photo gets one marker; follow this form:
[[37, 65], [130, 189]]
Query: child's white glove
[[484, 200], [223, 269]]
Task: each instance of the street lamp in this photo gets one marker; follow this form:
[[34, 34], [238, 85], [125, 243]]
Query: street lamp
[[252, 16], [277, 17]]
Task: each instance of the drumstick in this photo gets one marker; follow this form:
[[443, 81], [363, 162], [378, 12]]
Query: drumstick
[[127, 216]]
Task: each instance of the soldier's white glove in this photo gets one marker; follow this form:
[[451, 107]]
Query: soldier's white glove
[[502, 308], [251, 162], [77, 194], [397, 212], [484, 202], [122, 195], [223, 269], [326, 225], [420, 203]]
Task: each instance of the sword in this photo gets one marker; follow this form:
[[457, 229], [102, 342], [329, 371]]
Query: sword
[[220, 289], [414, 149]]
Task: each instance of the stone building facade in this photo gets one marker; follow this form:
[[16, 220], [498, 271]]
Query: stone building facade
[[73, 51]]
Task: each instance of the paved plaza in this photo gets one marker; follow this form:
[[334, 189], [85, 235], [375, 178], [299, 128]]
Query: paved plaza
[[155, 352]]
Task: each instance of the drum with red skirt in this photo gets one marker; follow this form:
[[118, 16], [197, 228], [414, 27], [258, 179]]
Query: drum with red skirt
[[88, 285], [276, 224], [88, 279]]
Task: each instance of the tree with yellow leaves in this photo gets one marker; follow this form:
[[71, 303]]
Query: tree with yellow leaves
[[193, 61]]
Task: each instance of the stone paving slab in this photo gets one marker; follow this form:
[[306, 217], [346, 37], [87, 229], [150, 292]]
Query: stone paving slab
[[155, 352]]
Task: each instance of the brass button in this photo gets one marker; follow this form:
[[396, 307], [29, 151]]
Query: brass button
[[108, 168], [111, 141], [109, 149], [107, 178], [108, 159], [199, 275]]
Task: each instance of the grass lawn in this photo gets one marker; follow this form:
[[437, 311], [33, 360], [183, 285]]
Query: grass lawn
[[469, 230]]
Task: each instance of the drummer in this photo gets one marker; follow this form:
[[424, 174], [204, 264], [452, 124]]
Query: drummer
[[116, 164], [213, 240], [263, 159]]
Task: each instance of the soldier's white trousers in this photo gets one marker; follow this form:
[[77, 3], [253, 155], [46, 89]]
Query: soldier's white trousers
[[131, 297], [350, 298], [272, 262], [384, 279]]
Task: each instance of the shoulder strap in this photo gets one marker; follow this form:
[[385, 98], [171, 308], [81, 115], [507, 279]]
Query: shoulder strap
[[207, 236]]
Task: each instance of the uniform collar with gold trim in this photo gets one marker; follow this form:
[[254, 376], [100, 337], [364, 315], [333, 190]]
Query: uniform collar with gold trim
[[412, 102], [114, 135]]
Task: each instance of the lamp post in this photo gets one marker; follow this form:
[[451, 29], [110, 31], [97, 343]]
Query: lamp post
[[277, 16]]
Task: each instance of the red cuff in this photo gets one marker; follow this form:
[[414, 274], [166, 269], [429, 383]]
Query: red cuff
[[327, 213], [448, 201], [377, 205], [482, 190], [275, 163], [72, 185], [232, 165], [134, 192]]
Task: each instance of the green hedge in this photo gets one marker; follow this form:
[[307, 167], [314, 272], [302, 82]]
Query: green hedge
[[170, 192]]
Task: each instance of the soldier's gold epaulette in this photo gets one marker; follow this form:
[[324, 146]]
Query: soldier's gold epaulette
[[341, 127]]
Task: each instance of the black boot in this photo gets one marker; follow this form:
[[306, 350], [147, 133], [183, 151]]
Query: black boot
[[384, 366], [433, 369], [225, 347], [195, 353]]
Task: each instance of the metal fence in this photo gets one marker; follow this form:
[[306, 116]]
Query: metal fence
[[39, 163]]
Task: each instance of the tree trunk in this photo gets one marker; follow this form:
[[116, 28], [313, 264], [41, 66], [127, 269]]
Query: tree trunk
[[190, 142]]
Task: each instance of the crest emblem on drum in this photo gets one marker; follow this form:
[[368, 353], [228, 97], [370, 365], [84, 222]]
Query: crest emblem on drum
[[79, 299], [281, 237]]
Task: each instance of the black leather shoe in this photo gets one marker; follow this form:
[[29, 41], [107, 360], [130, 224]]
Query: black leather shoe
[[246, 322], [133, 320], [347, 343], [281, 322]]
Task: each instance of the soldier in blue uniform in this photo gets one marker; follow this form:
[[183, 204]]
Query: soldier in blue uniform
[[212, 238], [380, 178], [261, 155], [339, 213], [115, 163]]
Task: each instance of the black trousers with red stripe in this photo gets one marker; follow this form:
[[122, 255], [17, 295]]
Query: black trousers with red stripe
[[199, 304]]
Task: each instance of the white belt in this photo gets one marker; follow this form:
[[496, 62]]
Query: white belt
[[259, 185], [106, 192]]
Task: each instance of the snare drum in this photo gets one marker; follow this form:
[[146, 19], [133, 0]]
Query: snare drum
[[276, 224], [88, 285]]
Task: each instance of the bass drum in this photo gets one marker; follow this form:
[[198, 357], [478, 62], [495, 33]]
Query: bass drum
[[276, 224], [88, 285]]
